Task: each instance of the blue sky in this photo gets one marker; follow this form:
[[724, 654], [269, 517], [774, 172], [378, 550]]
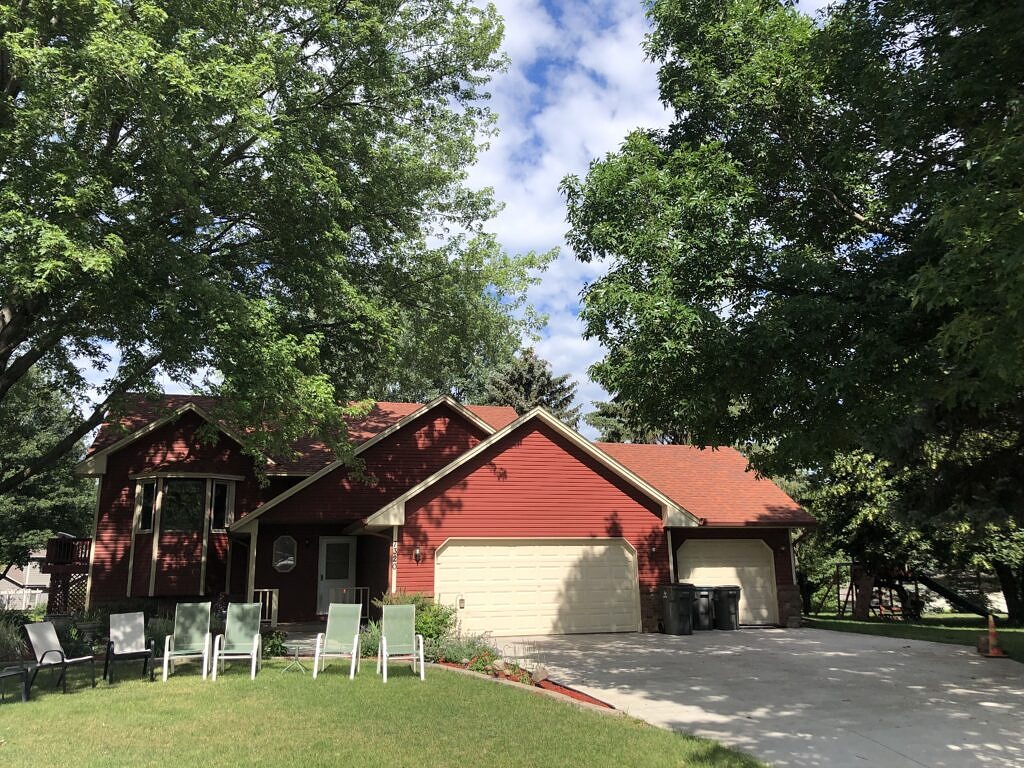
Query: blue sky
[[577, 84]]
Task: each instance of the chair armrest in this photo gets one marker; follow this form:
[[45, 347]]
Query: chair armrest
[[60, 654], [168, 644]]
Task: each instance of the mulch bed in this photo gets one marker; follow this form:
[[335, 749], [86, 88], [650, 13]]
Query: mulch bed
[[548, 685]]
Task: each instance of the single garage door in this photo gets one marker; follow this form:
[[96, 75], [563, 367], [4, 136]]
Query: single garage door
[[746, 562], [539, 587]]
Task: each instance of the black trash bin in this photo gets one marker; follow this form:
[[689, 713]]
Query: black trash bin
[[727, 607], [676, 607], [703, 608]]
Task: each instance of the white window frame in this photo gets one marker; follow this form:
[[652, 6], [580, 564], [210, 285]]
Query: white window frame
[[140, 486], [159, 481], [229, 503], [295, 554]]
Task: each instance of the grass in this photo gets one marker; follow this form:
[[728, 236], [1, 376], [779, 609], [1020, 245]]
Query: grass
[[954, 628], [290, 720]]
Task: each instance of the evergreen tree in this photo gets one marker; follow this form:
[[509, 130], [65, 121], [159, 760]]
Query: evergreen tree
[[527, 382], [32, 417], [615, 423]]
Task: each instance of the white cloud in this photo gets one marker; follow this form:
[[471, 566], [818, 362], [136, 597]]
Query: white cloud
[[577, 85]]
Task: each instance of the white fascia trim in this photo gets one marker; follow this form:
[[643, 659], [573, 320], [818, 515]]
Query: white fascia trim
[[241, 524], [96, 465], [394, 512]]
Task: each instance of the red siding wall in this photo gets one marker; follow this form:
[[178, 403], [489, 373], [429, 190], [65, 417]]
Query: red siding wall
[[534, 483], [177, 447], [298, 587], [394, 465]]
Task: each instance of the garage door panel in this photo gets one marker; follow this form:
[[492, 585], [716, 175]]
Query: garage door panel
[[530, 587], [748, 563]]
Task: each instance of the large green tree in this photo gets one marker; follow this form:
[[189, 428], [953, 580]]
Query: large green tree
[[823, 253], [33, 417], [527, 382], [268, 196]]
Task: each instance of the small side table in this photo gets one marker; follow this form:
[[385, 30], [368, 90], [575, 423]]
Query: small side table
[[294, 648], [21, 672]]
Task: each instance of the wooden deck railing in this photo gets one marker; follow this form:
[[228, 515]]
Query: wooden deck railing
[[66, 555]]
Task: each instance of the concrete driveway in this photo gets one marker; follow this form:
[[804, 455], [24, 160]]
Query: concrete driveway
[[806, 697]]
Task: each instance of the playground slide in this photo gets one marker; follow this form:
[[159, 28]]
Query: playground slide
[[955, 599]]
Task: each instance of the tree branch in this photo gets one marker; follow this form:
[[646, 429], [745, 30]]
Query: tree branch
[[65, 444], [12, 373]]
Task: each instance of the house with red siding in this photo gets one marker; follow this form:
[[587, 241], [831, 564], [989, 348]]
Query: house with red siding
[[519, 522]]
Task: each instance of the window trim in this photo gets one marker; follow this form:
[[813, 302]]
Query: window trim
[[229, 503], [295, 554], [140, 495]]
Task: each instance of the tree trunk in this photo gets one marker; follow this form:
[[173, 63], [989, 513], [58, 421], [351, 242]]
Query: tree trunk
[[864, 591], [1011, 579]]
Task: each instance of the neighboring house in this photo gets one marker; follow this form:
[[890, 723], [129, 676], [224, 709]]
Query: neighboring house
[[522, 524], [26, 587]]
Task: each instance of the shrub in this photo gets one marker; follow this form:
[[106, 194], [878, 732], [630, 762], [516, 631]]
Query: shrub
[[485, 661], [369, 639], [436, 622], [273, 642], [459, 649], [157, 629], [12, 636]]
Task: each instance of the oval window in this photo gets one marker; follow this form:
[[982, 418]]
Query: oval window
[[283, 557]]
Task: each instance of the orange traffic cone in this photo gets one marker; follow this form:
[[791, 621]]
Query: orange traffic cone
[[989, 646]]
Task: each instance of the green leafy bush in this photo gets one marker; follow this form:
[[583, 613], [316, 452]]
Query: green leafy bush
[[434, 621], [369, 639], [273, 643], [485, 662], [157, 629], [12, 636], [459, 649]]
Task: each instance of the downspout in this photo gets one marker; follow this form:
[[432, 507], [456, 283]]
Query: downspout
[[394, 559], [250, 586], [671, 557]]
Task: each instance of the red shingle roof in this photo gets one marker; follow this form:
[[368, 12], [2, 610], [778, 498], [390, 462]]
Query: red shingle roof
[[313, 454], [713, 484]]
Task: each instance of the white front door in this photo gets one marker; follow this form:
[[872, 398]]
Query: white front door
[[337, 571]]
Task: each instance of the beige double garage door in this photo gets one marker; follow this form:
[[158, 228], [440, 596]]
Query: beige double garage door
[[539, 586]]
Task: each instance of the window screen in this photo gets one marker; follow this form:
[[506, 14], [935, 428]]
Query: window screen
[[183, 504], [222, 515], [146, 494]]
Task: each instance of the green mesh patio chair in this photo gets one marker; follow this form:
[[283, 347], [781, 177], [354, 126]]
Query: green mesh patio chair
[[49, 654], [341, 638], [127, 642], [398, 638], [241, 638], [191, 638]]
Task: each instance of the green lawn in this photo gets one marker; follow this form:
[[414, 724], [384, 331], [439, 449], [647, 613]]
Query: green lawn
[[290, 720], [955, 628]]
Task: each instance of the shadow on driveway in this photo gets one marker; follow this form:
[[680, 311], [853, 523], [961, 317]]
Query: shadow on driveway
[[806, 697]]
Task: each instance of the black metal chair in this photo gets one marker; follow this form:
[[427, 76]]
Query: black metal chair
[[50, 654], [128, 642], [21, 672]]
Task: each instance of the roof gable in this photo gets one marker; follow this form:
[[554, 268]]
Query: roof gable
[[146, 414], [672, 513], [95, 462], [466, 413]]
